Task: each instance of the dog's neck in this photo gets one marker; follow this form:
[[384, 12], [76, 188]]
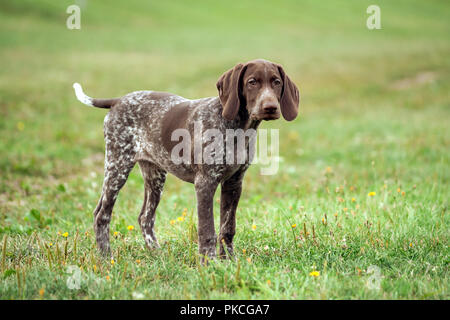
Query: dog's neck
[[245, 122]]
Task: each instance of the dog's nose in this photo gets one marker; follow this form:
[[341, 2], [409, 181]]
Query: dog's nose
[[270, 107]]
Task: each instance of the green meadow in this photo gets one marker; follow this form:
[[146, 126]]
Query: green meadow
[[357, 210]]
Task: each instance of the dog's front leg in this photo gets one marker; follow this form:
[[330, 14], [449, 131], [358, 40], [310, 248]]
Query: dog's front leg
[[229, 199], [207, 238]]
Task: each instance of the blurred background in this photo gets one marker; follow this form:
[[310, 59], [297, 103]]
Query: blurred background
[[374, 116], [374, 107]]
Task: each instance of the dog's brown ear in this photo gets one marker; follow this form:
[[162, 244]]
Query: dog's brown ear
[[229, 91], [290, 97]]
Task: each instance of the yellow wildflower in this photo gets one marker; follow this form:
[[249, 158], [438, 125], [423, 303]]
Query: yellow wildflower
[[254, 226], [112, 262], [172, 221], [294, 225], [314, 273], [50, 244], [403, 193], [399, 190], [20, 126], [130, 228], [353, 199], [65, 234], [268, 282], [180, 218], [41, 292], [138, 261], [108, 278], [249, 260], [115, 233], [371, 194], [94, 267], [244, 251]]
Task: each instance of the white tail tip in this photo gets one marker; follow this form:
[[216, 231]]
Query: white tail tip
[[81, 96]]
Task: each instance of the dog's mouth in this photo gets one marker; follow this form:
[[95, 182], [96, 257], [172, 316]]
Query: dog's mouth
[[267, 116], [271, 116]]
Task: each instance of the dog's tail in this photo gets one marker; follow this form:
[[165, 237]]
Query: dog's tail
[[99, 103]]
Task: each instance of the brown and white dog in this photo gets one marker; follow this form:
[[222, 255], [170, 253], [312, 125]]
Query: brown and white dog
[[139, 129]]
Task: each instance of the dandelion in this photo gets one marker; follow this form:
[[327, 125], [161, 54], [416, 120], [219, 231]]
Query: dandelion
[[180, 218], [371, 194], [399, 190], [403, 193], [314, 273], [184, 213], [410, 244], [244, 251], [254, 227], [65, 234], [249, 260], [115, 233], [329, 170], [59, 233], [112, 262], [352, 188], [345, 209], [20, 126], [50, 244], [138, 261], [41, 292], [172, 222], [353, 200], [108, 278], [130, 228], [268, 282], [94, 267], [335, 214], [294, 225]]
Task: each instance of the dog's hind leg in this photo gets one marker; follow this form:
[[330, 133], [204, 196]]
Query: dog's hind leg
[[119, 161], [154, 179]]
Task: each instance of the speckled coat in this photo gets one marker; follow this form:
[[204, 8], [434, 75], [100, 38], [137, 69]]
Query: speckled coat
[[138, 129]]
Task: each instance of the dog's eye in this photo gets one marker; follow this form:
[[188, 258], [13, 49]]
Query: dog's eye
[[252, 81], [276, 82]]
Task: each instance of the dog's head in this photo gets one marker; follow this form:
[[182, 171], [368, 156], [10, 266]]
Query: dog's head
[[260, 86]]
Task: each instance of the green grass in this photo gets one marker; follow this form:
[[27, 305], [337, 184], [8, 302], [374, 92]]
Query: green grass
[[374, 110]]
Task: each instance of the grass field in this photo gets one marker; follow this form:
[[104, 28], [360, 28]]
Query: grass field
[[374, 118]]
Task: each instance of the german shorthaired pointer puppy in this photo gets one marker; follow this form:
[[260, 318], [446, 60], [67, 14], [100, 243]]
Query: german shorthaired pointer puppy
[[139, 128]]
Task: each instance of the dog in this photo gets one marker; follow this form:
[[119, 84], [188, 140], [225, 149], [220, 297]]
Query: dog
[[139, 129]]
